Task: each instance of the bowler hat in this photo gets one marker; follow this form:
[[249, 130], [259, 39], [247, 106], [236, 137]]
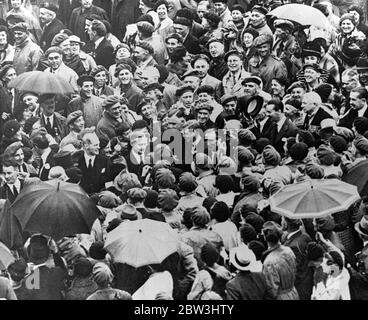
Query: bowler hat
[[253, 106]]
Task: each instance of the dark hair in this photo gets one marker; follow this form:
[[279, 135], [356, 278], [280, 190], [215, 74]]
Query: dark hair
[[278, 105], [187, 217], [298, 151], [258, 248], [321, 7], [159, 3], [363, 93], [224, 183], [247, 233], [282, 81], [4, 28], [272, 236], [321, 42], [306, 137], [220, 211], [212, 18]]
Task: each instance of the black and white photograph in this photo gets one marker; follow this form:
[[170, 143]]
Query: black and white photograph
[[172, 152]]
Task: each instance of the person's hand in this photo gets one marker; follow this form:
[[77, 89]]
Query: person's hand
[[23, 175], [5, 115]]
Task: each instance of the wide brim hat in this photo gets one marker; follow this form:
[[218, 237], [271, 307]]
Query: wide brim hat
[[362, 226], [253, 106], [243, 259]]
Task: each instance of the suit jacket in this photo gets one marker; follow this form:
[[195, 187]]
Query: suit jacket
[[287, 130], [191, 43], [93, 180], [49, 32], [103, 54], [59, 129], [7, 193], [66, 8], [6, 103], [261, 133], [349, 117]]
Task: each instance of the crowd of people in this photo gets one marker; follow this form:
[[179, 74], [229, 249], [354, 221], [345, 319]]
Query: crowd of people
[[191, 113]]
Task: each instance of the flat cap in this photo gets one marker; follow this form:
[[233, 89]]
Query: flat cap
[[20, 26], [282, 23], [146, 46], [49, 6], [262, 39], [227, 97], [259, 9], [73, 116], [232, 53], [85, 78]]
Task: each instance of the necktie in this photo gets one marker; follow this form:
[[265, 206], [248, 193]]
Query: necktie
[[48, 125], [306, 121], [90, 164], [15, 191]]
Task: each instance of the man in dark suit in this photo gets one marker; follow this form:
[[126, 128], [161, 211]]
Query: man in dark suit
[[45, 155], [94, 167], [53, 122], [281, 126], [13, 185], [183, 26], [49, 23], [99, 47], [359, 107], [66, 8]]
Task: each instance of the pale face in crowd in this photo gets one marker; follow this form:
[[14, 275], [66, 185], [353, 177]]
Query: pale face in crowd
[[10, 174], [347, 26], [356, 102], [46, 16], [114, 111], [162, 12], [3, 38], [219, 7], [203, 115], [148, 78], [202, 67], [122, 53], [144, 9], [187, 98], [148, 111], [276, 88], [65, 47], [251, 88], [356, 16], [311, 60], [100, 79], [264, 50], [55, 59], [257, 18], [181, 29], [309, 104], [48, 107], [86, 4], [78, 124], [348, 83], [87, 88], [236, 15], [192, 82], [16, 4], [10, 75], [230, 107], [234, 63], [31, 101], [272, 113], [204, 97], [20, 36], [19, 157], [201, 10], [171, 44], [92, 148], [140, 54], [74, 47], [216, 49], [248, 39], [297, 93], [311, 75], [125, 76]]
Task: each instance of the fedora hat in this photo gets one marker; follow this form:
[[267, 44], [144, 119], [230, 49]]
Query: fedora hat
[[362, 226], [244, 259], [252, 106]]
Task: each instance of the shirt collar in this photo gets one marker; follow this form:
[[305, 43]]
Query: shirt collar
[[98, 41], [362, 111], [291, 234], [16, 184], [87, 158], [45, 155], [281, 122]]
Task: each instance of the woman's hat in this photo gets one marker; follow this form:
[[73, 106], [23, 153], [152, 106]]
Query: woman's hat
[[244, 259]]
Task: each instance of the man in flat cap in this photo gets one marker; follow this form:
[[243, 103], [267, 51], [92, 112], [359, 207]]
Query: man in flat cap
[[143, 53], [258, 20], [54, 57], [78, 18], [269, 66], [222, 10], [50, 25], [27, 53], [75, 123], [218, 67], [87, 102], [285, 44], [100, 48], [183, 27]]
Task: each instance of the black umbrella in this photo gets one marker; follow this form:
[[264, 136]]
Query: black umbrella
[[358, 176]]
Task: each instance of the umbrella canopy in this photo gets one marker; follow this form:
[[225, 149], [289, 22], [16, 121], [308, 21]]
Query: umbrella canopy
[[313, 198], [41, 83], [6, 257], [302, 14], [358, 176], [141, 242], [10, 230], [55, 208]]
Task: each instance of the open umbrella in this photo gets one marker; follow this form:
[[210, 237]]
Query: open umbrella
[[302, 14], [313, 198], [10, 230], [55, 208], [6, 257], [141, 242], [41, 83], [358, 176]]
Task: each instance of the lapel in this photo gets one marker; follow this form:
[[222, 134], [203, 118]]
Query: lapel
[[293, 237], [282, 131], [100, 46]]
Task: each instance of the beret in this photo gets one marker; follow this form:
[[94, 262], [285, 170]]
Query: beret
[[85, 78], [250, 183], [297, 84], [262, 39], [339, 144], [110, 101], [154, 86], [53, 49], [347, 16], [187, 182], [325, 155], [180, 91], [191, 73], [298, 151], [271, 156], [214, 39], [205, 89], [254, 79], [246, 135], [251, 31], [281, 23], [59, 38], [245, 156], [232, 53], [313, 66], [238, 8], [5, 68], [167, 200], [183, 21], [227, 98], [200, 216], [203, 106], [259, 9], [145, 27], [10, 127], [12, 149], [146, 46], [49, 6], [73, 116], [20, 26], [175, 36], [361, 143], [164, 178]]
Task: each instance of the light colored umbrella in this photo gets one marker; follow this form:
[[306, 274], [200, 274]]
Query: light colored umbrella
[[41, 83], [6, 257], [313, 198], [141, 242], [302, 14]]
